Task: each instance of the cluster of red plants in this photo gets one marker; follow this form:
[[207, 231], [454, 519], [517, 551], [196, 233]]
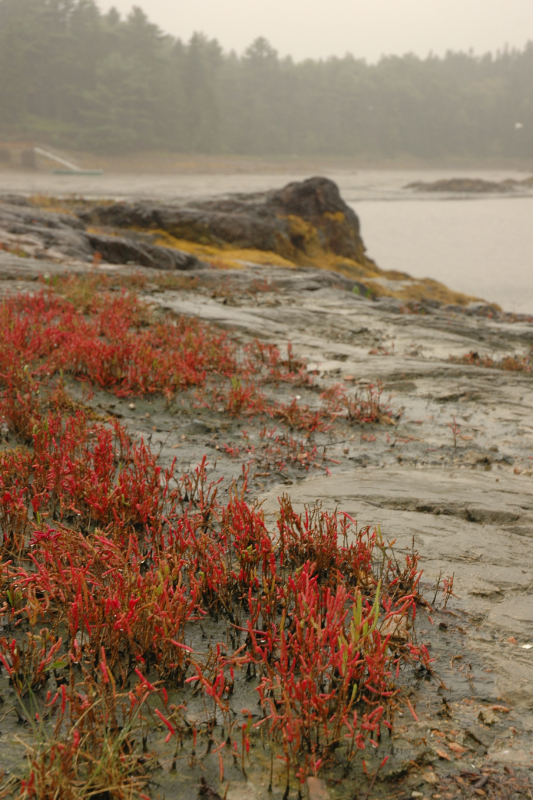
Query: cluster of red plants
[[275, 452], [112, 347], [110, 564], [89, 730], [365, 406], [514, 363], [113, 341]]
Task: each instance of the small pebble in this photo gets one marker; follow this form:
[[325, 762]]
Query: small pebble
[[487, 716], [132, 406]]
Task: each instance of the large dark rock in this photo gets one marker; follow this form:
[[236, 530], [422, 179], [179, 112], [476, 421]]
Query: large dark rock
[[17, 210], [116, 250], [300, 221], [48, 233], [44, 230], [303, 222]]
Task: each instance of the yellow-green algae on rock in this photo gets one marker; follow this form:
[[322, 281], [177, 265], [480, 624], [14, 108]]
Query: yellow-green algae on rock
[[306, 223]]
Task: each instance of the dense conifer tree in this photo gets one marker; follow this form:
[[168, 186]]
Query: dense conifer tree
[[71, 75]]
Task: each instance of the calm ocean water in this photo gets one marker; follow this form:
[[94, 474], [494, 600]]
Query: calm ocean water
[[481, 245]]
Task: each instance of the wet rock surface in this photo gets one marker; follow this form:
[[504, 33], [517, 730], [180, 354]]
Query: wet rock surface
[[117, 250], [304, 224], [450, 474], [301, 218], [464, 501], [28, 231]]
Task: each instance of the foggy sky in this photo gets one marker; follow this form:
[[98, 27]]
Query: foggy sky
[[366, 28]]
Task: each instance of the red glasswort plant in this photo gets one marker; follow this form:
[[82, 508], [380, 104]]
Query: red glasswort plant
[[110, 565]]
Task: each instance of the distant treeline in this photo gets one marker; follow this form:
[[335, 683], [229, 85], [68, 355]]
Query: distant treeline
[[70, 75]]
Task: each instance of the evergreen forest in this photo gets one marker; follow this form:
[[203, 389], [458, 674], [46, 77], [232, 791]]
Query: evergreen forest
[[74, 76]]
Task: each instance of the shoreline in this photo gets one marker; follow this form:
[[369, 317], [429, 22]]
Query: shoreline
[[427, 237], [201, 163]]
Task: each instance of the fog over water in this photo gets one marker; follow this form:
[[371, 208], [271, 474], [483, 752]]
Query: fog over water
[[480, 245]]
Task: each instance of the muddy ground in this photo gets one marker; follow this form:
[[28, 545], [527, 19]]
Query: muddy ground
[[452, 471]]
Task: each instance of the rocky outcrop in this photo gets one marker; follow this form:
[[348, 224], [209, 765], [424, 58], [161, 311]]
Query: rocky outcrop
[[117, 250], [298, 222], [32, 231], [305, 224], [27, 230], [470, 185]]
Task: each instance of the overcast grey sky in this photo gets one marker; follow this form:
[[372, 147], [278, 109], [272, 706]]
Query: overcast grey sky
[[366, 28]]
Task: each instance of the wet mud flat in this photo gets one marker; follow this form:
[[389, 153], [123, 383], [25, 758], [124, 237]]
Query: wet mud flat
[[445, 467], [452, 476]]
